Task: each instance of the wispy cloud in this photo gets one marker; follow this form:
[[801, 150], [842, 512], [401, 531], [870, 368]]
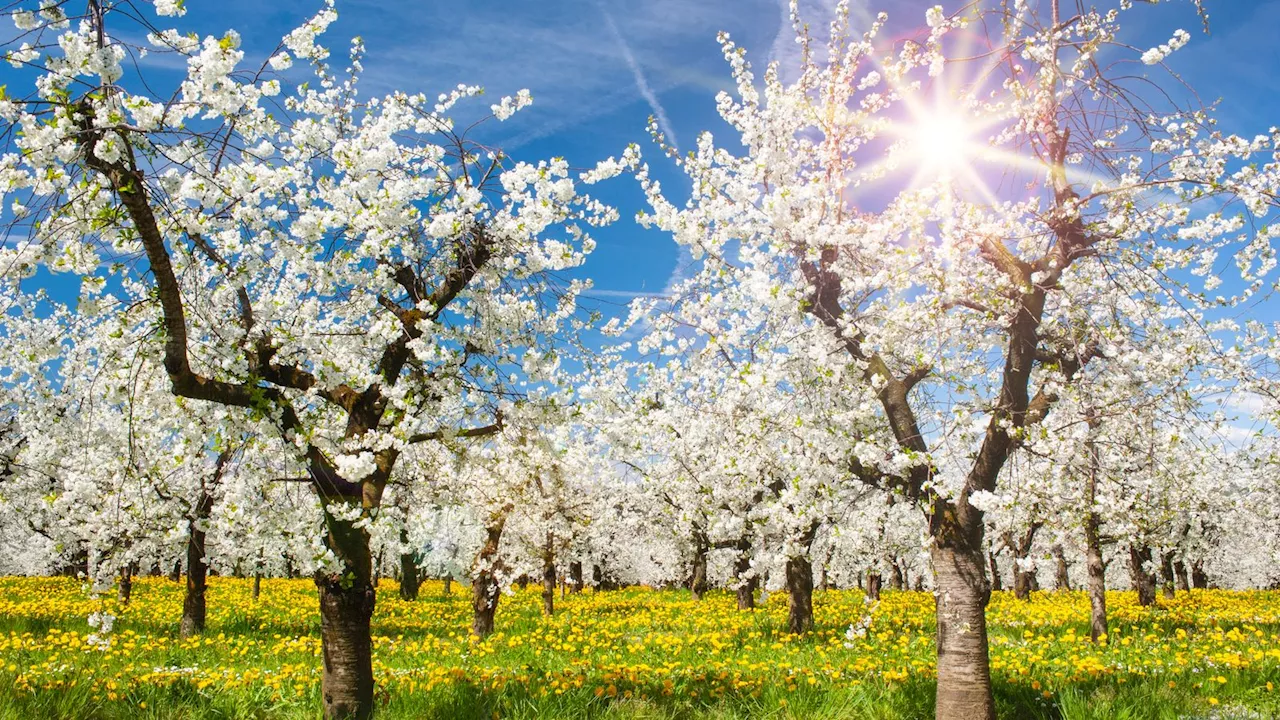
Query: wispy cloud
[[642, 83], [624, 294]]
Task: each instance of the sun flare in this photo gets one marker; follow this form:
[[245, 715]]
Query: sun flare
[[940, 142]]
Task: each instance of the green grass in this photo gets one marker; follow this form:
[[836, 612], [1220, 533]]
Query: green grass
[[629, 655]]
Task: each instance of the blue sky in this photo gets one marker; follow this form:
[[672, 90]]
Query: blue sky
[[599, 68]]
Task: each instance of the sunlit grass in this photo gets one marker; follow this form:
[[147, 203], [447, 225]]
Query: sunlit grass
[[634, 653]]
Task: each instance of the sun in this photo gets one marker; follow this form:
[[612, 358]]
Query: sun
[[939, 142]]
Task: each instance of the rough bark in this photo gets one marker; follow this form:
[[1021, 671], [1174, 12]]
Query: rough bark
[[575, 577], [698, 573], [1182, 582], [346, 606], [746, 586], [1166, 574], [1139, 576], [1199, 579], [964, 672], [896, 579], [484, 584], [799, 579], [1061, 575], [549, 577], [124, 589], [824, 574], [346, 684], [1095, 567], [874, 581], [194, 609], [997, 584], [410, 577], [1024, 580], [800, 593]]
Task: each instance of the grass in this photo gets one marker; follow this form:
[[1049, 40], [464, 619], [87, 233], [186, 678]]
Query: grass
[[633, 654]]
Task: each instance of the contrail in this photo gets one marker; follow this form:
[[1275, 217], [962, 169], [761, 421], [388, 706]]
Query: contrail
[[638, 73]]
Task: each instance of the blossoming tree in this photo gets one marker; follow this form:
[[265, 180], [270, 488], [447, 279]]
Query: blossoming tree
[[966, 306], [356, 273]]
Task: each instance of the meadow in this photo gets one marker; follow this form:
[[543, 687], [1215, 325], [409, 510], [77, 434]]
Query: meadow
[[633, 653]]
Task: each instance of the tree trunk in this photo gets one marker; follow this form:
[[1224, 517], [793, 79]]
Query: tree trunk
[[746, 589], [549, 577], [1095, 568], [448, 584], [522, 582], [1062, 576], [1166, 574], [346, 684], [1199, 579], [997, 584], [698, 574], [194, 609], [484, 583], [124, 591], [964, 670], [1023, 581], [257, 584], [346, 607], [175, 575], [410, 577], [1139, 577], [575, 576], [1180, 572], [874, 581], [800, 592], [896, 580]]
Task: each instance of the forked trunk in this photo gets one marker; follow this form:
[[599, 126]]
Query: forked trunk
[[484, 603], [1061, 576], [1139, 576], [896, 579], [962, 593], [698, 577], [1023, 582], [484, 583], [800, 592], [575, 576], [1199, 579], [1166, 574], [1180, 573], [193, 605], [873, 584]]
